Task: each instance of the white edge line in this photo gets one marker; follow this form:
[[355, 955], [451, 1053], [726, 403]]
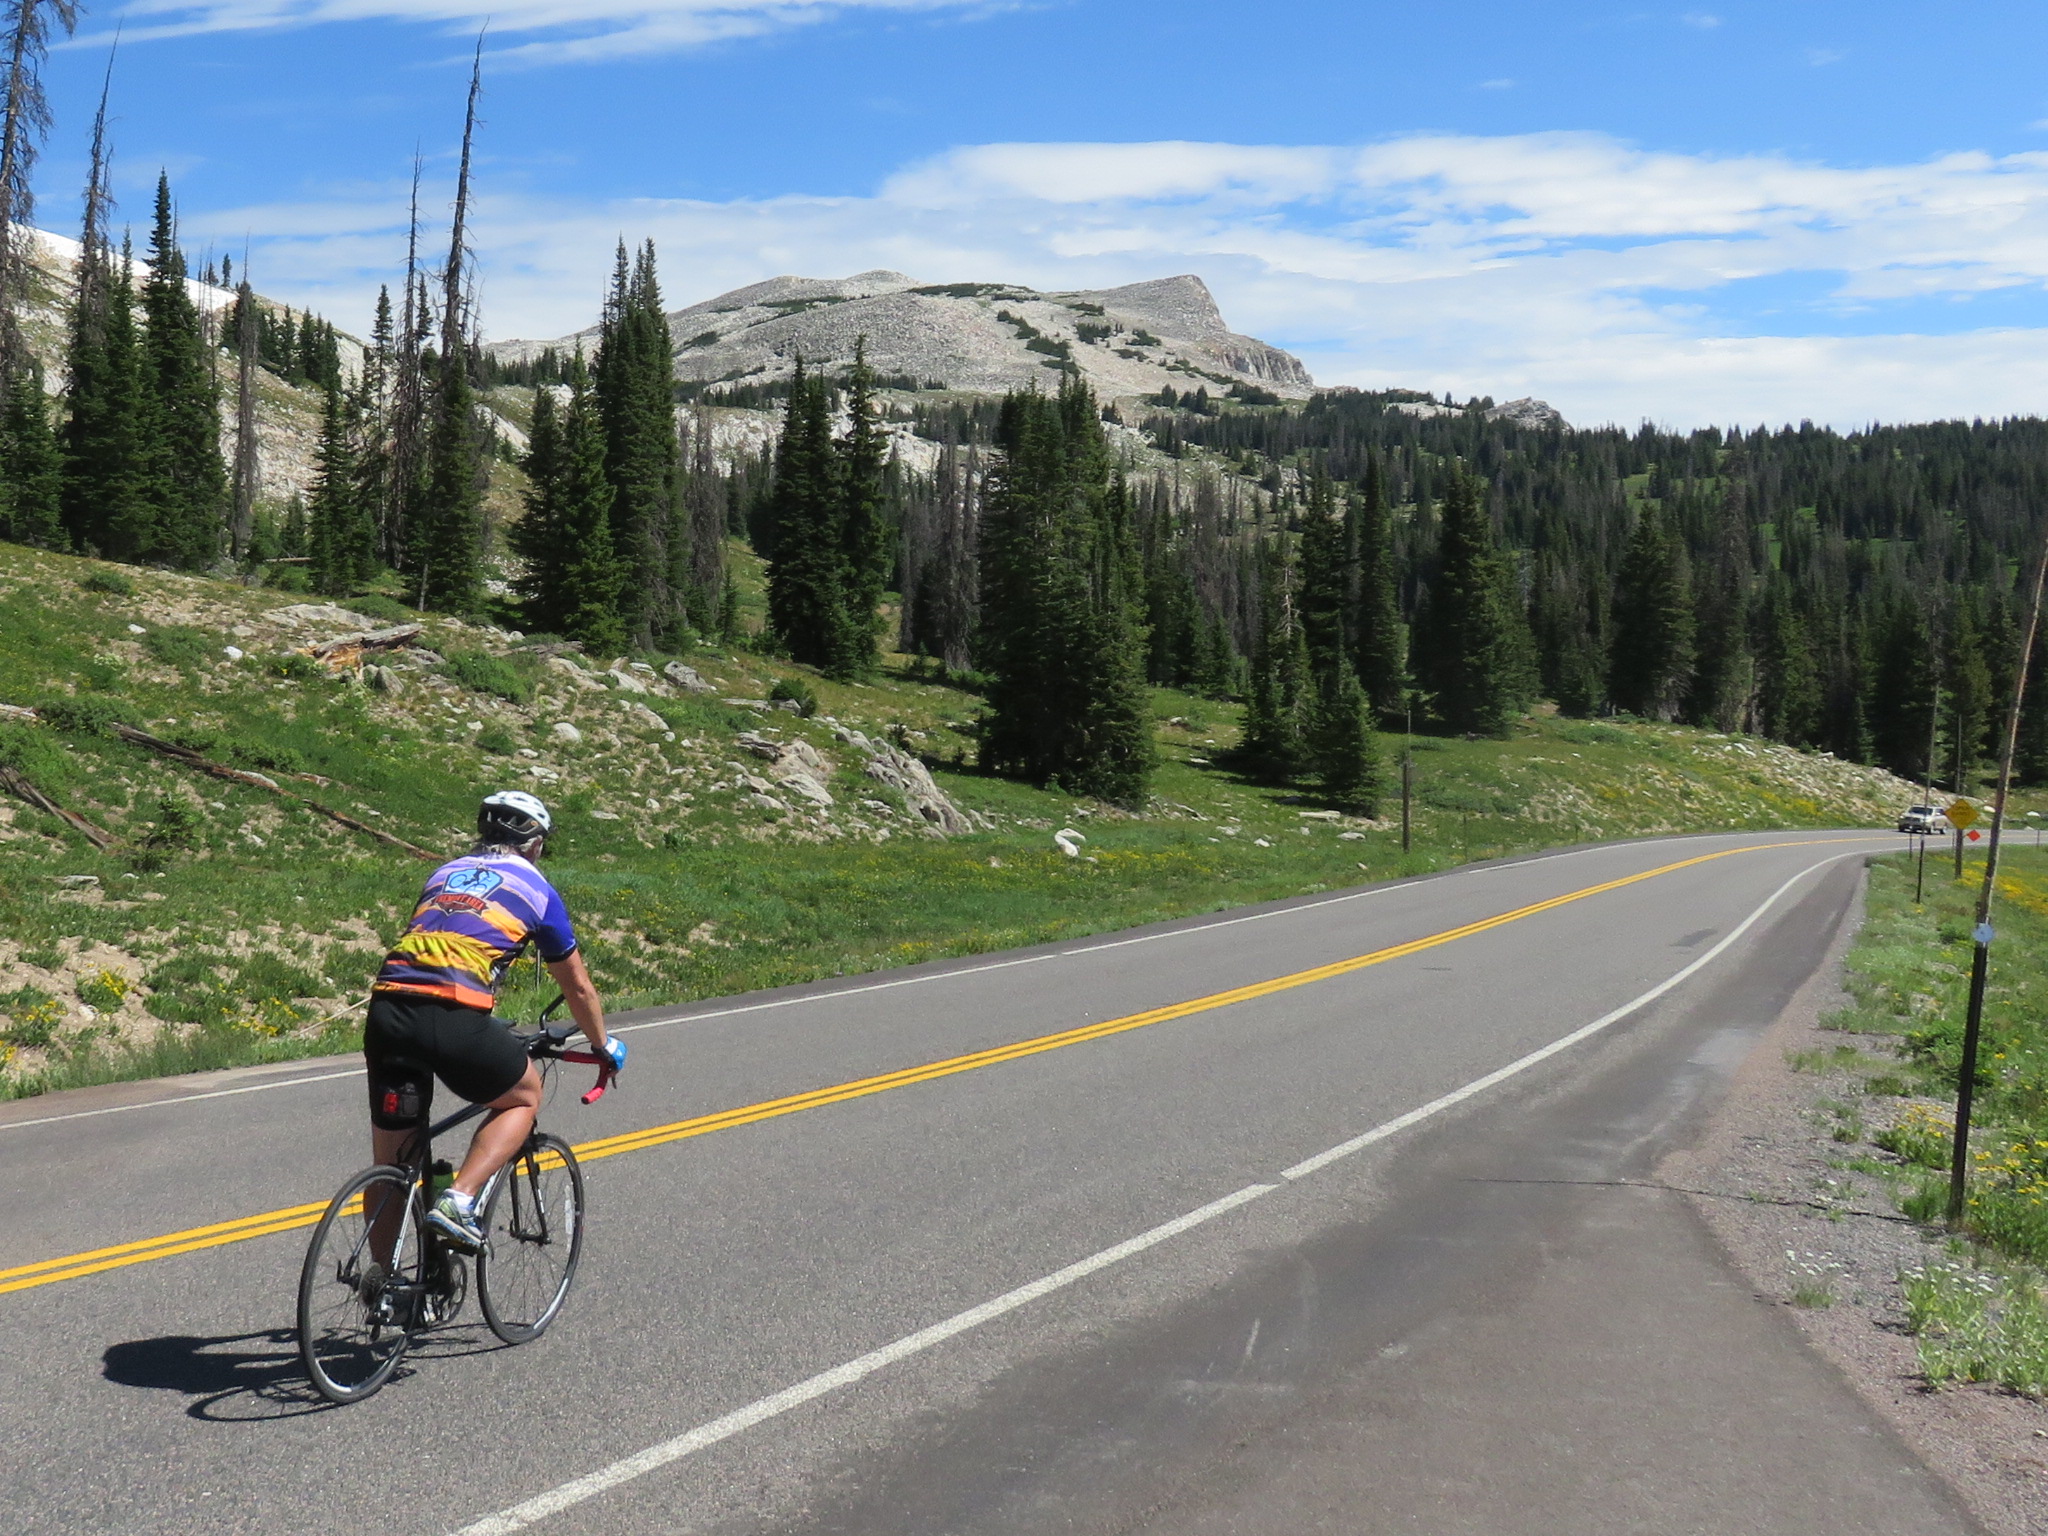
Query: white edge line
[[591, 1484], [555, 1500], [1479, 1085], [183, 1098]]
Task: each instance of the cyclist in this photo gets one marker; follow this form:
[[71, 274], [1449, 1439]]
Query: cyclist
[[430, 1005]]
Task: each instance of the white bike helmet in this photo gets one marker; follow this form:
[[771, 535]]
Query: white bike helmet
[[513, 817]]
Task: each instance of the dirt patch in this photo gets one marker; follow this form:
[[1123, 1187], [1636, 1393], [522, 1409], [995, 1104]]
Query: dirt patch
[[1774, 1184]]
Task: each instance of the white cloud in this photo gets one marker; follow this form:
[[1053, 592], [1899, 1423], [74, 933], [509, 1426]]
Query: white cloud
[[1702, 20], [1497, 85], [1572, 266], [558, 31], [1820, 58]]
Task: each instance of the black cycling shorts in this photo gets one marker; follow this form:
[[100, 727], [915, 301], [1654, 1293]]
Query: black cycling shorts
[[409, 1041]]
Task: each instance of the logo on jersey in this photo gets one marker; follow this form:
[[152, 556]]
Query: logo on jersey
[[473, 881]]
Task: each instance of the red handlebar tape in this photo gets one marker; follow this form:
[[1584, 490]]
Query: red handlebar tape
[[606, 1074]]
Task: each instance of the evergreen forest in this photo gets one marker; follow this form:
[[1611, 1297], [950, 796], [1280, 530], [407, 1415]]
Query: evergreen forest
[[1345, 566]]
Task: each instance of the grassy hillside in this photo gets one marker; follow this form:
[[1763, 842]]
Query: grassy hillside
[[228, 924]]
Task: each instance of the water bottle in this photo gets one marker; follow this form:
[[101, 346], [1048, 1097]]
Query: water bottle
[[439, 1177]]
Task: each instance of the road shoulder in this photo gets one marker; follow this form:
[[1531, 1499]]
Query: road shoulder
[[1766, 1177]]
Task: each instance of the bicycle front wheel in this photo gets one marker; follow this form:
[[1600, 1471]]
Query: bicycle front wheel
[[360, 1287], [533, 1218]]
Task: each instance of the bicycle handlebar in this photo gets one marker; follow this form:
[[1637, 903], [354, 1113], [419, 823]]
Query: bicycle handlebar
[[547, 1042]]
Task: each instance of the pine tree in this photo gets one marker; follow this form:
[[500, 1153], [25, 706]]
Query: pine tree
[[1338, 745], [807, 579], [1651, 659], [1788, 698], [704, 502], [24, 120], [572, 576], [185, 478], [595, 577], [1274, 742], [1379, 650], [863, 533], [1901, 697], [104, 506], [31, 468], [537, 538], [1061, 634], [1967, 705], [1475, 652], [1341, 748], [370, 411], [633, 377], [341, 536]]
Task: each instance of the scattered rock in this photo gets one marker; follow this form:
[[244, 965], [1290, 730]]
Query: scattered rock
[[568, 669], [562, 730], [325, 614], [760, 704], [137, 629], [626, 682], [640, 714], [604, 815], [383, 679], [766, 802], [78, 881], [1069, 842], [233, 652], [1317, 815], [789, 706], [686, 678]]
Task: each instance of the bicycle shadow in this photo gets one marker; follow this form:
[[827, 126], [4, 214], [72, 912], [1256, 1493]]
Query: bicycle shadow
[[245, 1378]]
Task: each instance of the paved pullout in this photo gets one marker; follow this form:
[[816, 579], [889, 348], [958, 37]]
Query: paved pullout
[[1110, 1284]]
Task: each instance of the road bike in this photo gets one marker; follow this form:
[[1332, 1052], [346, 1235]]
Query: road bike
[[377, 1276]]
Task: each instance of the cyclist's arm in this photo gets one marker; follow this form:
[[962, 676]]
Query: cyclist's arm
[[584, 1006]]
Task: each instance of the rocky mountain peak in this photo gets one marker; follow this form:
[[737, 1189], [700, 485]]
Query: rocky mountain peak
[[976, 337]]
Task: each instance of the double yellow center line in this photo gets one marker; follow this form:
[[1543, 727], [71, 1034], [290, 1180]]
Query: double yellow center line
[[220, 1234]]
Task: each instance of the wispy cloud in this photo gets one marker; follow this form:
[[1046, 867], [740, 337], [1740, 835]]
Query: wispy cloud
[[1614, 281], [551, 31], [1820, 58], [1702, 20]]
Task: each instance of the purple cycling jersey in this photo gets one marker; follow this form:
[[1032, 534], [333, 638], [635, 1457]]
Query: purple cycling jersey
[[476, 916]]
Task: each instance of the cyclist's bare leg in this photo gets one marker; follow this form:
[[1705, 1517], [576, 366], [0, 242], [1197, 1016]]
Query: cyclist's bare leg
[[502, 1134], [386, 1147]]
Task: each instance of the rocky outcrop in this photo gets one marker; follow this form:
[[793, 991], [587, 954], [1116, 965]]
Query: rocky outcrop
[[981, 337], [1525, 412], [796, 767], [898, 770]]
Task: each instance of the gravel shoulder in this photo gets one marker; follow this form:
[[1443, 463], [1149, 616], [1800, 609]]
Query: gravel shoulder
[[1768, 1178]]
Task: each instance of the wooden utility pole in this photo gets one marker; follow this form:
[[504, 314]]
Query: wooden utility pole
[[1980, 958]]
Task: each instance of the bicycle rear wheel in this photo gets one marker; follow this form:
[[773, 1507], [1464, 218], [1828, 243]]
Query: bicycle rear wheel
[[360, 1288], [533, 1215]]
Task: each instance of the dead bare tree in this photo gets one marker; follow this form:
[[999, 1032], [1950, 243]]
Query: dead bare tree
[[29, 24]]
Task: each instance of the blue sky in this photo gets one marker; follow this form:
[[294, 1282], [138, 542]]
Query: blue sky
[[1708, 214]]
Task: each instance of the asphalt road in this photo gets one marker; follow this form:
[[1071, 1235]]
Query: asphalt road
[[1308, 1218]]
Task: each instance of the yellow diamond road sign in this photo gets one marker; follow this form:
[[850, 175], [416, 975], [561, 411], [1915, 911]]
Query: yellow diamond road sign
[[1960, 813]]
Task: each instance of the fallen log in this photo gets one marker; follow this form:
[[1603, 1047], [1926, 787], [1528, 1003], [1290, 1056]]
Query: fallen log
[[347, 650], [207, 765], [18, 785]]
